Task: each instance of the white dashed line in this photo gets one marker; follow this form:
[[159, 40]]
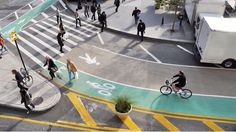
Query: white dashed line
[[157, 60], [190, 52]]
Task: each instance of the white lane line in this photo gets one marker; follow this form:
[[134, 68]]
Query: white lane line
[[16, 15], [63, 4], [147, 89], [190, 52], [86, 35], [167, 64], [53, 7], [49, 38], [30, 6], [33, 20], [157, 60], [54, 33], [57, 28], [43, 43], [218, 65], [100, 38], [71, 18], [36, 60], [34, 47], [83, 27]]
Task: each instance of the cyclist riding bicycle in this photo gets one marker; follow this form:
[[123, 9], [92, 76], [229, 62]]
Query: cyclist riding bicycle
[[180, 82], [19, 79]]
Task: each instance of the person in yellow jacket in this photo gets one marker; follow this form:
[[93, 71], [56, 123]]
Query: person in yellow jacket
[[71, 69]]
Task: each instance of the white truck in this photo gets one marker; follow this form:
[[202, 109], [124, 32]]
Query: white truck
[[194, 7], [216, 41]]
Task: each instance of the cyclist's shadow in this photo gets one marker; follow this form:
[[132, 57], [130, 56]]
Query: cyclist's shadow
[[162, 99]]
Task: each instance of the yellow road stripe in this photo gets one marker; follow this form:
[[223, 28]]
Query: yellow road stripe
[[165, 122], [127, 121], [148, 110], [95, 127], [212, 125], [44, 122], [81, 109]]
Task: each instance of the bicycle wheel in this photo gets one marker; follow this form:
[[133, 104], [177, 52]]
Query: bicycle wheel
[[166, 90], [28, 80], [186, 93]]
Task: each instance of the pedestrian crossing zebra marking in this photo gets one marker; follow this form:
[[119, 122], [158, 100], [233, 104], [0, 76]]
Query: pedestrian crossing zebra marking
[[49, 38]]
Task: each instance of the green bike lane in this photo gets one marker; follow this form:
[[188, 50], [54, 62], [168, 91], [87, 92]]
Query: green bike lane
[[24, 19], [197, 105]]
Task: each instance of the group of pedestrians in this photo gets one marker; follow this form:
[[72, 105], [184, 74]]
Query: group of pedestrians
[[26, 97]]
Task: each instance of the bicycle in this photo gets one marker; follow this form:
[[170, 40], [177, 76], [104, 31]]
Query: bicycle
[[168, 88], [27, 79]]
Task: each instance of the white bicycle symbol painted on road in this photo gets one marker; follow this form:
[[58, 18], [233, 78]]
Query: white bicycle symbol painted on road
[[103, 89]]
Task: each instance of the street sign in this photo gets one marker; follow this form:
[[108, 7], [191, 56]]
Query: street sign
[[13, 36]]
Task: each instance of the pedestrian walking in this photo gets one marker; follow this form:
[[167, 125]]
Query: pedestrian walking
[[58, 15], [77, 18], [71, 69], [52, 68], [86, 9], [180, 20], [2, 44], [27, 100], [141, 28], [19, 79], [93, 10], [136, 12], [99, 10], [103, 20], [62, 29], [162, 20], [117, 4], [59, 40]]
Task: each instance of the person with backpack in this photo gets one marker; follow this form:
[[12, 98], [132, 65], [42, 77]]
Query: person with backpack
[[103, 20], [52, 68], [136, 12]]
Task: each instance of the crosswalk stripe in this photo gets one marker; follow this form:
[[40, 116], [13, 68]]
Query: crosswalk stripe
[[34, 47], [69, 17], [43, 43], [127, 121], [53, 7], [36, 60], [70, 28], [212, 125], [63, 4], [49, 38], [53, 26], [83, 27], [81, 109], [54, 33], [165, 122]]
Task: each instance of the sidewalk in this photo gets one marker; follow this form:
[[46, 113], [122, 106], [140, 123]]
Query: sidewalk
[[123, 20], [45, 95]]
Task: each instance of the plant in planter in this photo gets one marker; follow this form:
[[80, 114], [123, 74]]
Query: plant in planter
[[123, 106]]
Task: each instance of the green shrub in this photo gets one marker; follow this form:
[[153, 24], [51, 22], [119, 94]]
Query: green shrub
[[122, 104]]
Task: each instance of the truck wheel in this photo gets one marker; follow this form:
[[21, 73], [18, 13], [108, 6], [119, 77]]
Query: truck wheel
[[228, 63]]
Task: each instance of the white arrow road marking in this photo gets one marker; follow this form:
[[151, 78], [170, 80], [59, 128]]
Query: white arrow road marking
[[89, 60]]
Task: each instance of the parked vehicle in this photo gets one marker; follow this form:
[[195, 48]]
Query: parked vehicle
[[216, 39]]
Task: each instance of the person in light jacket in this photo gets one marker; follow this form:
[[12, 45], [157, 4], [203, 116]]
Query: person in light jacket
[[71, 69]]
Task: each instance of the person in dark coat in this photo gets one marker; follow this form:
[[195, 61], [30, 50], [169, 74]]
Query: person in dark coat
[[93, 10], [51, 67], [61, 44], [117, 4], [180, 82], [19, 79], [103, 20], [61, 28], [136, 13], [26, 99], [141, 28]]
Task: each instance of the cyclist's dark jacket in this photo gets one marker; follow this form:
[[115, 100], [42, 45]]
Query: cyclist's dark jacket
[[18, 77], [181, 80]]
